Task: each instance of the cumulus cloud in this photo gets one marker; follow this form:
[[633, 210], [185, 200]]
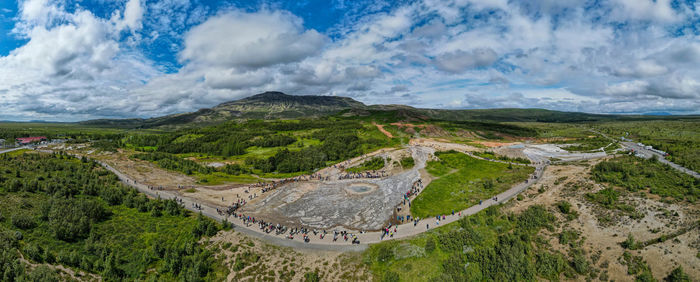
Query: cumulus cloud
[[73, 64], [250, 40], [617, 56]]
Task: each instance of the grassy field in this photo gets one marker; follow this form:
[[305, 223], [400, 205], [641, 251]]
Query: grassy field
[[375, 163], [461, 181]]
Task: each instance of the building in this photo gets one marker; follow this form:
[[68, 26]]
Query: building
[[29, 140]]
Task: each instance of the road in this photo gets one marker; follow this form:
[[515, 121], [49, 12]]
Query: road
[[646, 153], [327, 243], [13, 149]]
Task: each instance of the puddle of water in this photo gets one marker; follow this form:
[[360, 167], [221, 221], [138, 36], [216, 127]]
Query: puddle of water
[[360, 188], [516, 146]]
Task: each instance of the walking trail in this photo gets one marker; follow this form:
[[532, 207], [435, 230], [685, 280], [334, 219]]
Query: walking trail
[[402, 231]]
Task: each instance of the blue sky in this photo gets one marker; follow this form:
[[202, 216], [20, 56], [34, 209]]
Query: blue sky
[[68, 60]]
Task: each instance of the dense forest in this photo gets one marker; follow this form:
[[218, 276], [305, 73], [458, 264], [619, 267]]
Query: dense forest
[[56, 209], [331, 141], [488, 246]]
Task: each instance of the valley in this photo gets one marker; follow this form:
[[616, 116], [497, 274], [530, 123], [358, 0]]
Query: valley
[[354, 193]]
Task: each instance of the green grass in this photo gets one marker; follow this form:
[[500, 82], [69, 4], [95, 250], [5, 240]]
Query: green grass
[[462, 181], [494, 156], [375, 163], [218, 178], [17, 153], [407, 162]]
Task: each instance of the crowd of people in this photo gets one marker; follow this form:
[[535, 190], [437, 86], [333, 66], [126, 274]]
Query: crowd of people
[[366, 174]]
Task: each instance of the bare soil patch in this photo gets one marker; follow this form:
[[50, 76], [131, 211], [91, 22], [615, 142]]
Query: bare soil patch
[[381, 128]]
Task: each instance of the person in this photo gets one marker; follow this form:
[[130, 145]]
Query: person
[[427, 226]]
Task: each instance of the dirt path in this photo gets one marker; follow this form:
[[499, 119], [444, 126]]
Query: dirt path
[[327, 243], [381, 128]]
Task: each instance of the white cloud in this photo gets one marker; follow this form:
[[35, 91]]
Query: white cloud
[[250, 40], [618, 56], [628, 88], [459, 60], [72, 65], [647, 10], [133, 14]]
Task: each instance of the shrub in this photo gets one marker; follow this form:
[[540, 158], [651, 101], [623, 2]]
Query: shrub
[[390, 276], [311, 277], [23, 221], [564, 207], [677, 275], [34, 252], [429, 245], [407, 162]]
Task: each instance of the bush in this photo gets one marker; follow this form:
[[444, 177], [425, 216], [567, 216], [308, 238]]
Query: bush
[[677, 275], [549, 266], [311, 277], [429, 245], [390, 276], [535, 218], [564, 207], [34, 252], [630, 243], [43, 273], [407, 162], [23, 221]]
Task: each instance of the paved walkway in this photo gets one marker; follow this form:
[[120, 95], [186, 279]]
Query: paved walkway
[[326, 244], [403, 230]]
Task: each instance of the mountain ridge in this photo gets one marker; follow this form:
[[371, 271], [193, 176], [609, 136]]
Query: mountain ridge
[[278, 105]]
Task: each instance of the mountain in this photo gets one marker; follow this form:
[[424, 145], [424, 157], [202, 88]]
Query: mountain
[[277, 105], [268, 105]]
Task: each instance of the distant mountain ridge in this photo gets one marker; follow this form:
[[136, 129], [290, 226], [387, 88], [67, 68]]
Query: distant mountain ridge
[[268, 105], [278, 105]]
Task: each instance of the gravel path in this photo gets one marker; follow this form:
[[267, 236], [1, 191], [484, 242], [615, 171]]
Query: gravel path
[[327, 244], [403, 230]]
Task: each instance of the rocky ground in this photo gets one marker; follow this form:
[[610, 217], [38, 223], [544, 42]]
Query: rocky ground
[[601, 230], [358, 204]]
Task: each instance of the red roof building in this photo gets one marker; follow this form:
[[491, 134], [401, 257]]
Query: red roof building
[[27, 140]]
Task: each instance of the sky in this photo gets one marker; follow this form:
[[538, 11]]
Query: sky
[[71, 60]]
